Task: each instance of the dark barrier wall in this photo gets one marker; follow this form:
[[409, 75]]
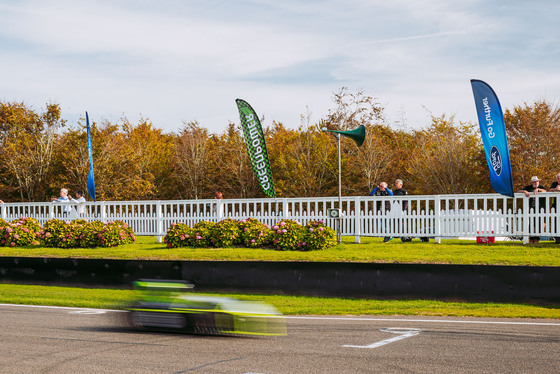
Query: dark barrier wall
[[363, 280]]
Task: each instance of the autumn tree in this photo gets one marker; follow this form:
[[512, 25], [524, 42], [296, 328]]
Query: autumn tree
[[303, 161], [448, 159], [232, 172], [191, 161], [151, 153], [27, 141], [534, 138]]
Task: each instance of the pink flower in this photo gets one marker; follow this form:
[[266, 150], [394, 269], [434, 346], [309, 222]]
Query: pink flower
[[282, 223], [275, 241], [321, 228], [173, 224], [9, 229], [12, 244], [16, 236], [182, 237], [279, 232], [25, 229], [169, 245], [48, 234], [67, 222], [252, 240], [311, 229], [284, 231]]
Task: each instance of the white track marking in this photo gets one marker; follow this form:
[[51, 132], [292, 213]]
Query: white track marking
[[373, 319], [403, 334], [427, 320], [73, 310]]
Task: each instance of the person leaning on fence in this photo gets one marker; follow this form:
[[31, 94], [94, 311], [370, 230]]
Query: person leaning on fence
[[81, 208], [400, 191], [555, 187], [383, 190], [533, 189], [63, 199]]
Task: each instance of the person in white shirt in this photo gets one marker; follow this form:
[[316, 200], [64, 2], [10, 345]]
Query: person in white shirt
[[81, 208], [63, 199]]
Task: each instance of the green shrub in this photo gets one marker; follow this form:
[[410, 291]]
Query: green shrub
[[288, 235], [318, 236], [225, 233], [80, 233], [201, 234], [19, 232], [254, 233], [178, 235]]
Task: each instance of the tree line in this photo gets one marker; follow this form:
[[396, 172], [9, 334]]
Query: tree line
[[41, 153]]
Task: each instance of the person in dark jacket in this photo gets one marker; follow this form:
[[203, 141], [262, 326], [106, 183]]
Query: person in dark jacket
[[383, 190], [533, 189]]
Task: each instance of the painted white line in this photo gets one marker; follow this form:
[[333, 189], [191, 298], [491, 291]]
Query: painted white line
[[329, 318], [403, 334], [426, 320], [75, 309], [93, 311]]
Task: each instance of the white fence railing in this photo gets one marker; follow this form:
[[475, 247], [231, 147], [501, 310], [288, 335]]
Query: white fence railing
[[431, 216]]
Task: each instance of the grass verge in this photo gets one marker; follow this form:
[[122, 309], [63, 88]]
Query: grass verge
[[370, 250], [289, 305]]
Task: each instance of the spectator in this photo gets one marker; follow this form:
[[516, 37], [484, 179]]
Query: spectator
[[555, 187], [383, 190], [63, 199], [400, 191], [533, 189], [81, 208]]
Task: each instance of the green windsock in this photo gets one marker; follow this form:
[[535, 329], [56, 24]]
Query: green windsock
[[256, 146]]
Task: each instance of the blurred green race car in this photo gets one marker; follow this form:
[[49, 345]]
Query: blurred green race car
[[168, 305]]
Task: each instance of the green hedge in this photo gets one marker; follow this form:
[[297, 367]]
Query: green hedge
[[286, 235], [65, 234]]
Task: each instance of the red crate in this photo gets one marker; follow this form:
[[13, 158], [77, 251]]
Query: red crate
[[485, 239]]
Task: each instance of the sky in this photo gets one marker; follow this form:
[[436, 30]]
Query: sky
[[177, 61]]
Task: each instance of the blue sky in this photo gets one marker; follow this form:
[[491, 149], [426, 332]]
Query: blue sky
[[177, 60]]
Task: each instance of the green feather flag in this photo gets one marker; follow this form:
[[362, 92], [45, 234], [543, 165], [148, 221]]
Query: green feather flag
[[256, 146]]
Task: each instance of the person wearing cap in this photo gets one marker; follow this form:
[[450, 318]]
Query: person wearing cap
[[383, 190], [555, 187], [533, 189]]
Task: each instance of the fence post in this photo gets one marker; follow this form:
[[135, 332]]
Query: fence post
[[357, 219], [526, 217], [285, 213], [437, 218], [220, 210], [159, 220], [103, 212]]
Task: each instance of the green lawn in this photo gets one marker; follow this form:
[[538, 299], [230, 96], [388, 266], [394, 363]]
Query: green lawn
[[370, 250], [290, 305]]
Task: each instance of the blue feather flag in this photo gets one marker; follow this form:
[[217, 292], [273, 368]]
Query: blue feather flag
[[494, 138], [91, 178]]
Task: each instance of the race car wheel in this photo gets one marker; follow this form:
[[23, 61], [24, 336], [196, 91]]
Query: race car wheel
[[204, 324]]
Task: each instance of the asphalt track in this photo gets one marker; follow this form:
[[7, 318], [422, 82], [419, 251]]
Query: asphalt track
[[72, 340]]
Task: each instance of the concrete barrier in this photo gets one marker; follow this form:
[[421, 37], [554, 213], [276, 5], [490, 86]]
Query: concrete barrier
[[519, 284]]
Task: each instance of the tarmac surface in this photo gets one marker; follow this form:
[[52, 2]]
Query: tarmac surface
[[73, 340]]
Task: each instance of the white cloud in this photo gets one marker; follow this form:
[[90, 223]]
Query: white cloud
[[175, 61]]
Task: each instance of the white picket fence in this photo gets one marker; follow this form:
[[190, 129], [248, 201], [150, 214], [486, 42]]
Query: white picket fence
[[428, 216]]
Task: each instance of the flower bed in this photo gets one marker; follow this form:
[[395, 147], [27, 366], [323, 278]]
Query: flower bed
[[286, 235], [65, 234]]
